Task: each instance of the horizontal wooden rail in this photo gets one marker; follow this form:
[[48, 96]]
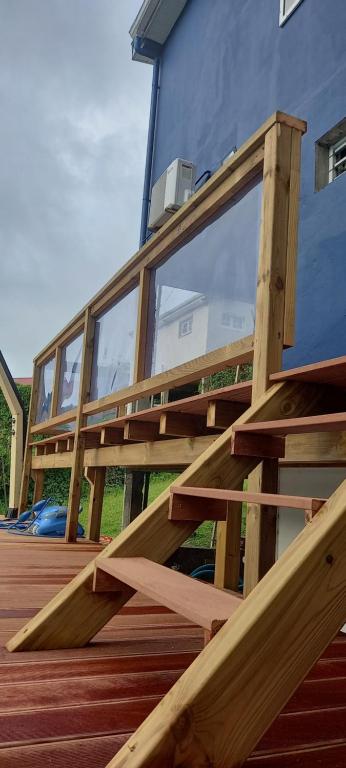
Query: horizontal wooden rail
[[331, 422], [232, 354], [201, 504], [55, 421]]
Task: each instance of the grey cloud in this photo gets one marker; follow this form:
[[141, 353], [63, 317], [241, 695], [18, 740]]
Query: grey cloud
[[73, 135]]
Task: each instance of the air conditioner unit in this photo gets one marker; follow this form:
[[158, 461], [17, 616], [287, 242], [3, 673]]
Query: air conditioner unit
[[171, 191]]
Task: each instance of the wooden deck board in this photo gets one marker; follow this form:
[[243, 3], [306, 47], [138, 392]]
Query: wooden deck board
[[77, 707]]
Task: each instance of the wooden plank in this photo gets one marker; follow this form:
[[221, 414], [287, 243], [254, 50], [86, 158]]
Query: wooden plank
[[227, 556], [61, 446], [45, 426], [201, 603], [38, 486], [142, 325], [266, 499], [189, 508], [49, 449], [292, 241], [111, 436], [56, 383], [257, 659], [318, 449], [173, 454], [182, 424], [331, 371], [24, 488], [74, 617], [222, 413], [327, 422], [196, 405], [77, 455], [269, 330], [96, 477], [232, 354], [141, 431], [264, 446]]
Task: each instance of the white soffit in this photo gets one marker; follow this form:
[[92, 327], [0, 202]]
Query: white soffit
[[156, 18]]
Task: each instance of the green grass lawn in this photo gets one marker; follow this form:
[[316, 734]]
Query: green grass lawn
[[113, 503]]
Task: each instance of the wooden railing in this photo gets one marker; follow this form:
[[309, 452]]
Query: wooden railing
[[273, 152]]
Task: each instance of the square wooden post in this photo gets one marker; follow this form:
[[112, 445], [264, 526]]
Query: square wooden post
[[274, 305], [96, 478], [77, 467], [24, 488]]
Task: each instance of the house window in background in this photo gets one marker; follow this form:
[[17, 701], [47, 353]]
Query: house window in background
[[185, 326]]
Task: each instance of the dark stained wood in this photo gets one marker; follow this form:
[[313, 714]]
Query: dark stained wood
[[331, 371], [327, 422], [72, 708], [250, 444]]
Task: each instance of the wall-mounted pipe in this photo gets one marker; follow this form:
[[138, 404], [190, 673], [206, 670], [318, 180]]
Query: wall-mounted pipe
[[150, 151]]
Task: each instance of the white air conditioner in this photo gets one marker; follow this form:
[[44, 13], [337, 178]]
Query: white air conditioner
[[171, 191]]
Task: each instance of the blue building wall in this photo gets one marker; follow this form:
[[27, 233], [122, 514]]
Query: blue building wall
[[226, 67]]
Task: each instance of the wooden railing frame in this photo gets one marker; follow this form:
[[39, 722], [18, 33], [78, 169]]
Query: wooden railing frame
[[275, 295]]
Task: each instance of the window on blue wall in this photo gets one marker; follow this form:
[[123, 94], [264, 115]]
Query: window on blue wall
[[203, 296], [286, 9], [331, 155]]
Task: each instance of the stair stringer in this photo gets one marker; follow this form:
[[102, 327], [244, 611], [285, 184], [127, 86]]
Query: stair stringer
[[217, 712], [74, 616]]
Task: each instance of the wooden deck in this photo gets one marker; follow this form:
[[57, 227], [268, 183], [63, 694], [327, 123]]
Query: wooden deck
[[76, 707]]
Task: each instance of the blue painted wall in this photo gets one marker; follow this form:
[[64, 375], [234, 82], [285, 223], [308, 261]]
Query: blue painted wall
[[225, 68]]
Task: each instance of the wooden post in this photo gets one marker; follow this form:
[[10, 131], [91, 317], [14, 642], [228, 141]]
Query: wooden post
[[96, 478], [278, 232], [38, 475], [227, 555], [134, 481], [79, 438], [10, 392], [56, 382], [24, 489]]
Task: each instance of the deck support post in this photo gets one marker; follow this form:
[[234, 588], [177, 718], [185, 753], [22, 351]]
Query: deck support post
[[277, 250], [227, 554], [24, 488], [38, 475], [96, 478], [79, 437]]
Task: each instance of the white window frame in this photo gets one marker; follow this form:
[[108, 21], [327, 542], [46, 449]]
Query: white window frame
[[332, 162], [188, 322], [284, 15]]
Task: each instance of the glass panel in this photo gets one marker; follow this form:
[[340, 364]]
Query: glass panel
[[205, 293], [71, 358], [45, 391], [114, 347]]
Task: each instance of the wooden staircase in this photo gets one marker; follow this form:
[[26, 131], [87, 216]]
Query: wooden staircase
[[224, 703]]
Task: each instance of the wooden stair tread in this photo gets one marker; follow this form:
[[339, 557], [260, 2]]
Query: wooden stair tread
[[331, 371], [196, 405], [331, 422], [268, 499], [202, 603]]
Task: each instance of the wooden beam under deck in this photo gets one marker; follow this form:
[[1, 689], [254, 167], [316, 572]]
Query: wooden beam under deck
[[173, 454]]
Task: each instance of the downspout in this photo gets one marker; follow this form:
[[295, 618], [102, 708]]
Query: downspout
[[150, 151]]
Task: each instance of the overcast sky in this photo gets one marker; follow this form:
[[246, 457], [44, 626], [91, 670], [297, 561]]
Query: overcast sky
[[74, 118]]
